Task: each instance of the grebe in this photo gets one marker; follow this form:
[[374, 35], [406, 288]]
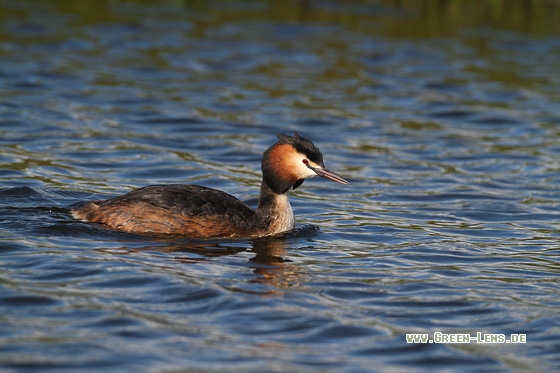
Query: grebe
[[199, 212]]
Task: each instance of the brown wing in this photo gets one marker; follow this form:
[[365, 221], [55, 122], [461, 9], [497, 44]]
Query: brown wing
[[188, 210]]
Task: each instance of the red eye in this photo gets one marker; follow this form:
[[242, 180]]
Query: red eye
[[305, 161]]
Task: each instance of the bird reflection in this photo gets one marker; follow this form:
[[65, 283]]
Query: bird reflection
[[271, 266], [269, 263]]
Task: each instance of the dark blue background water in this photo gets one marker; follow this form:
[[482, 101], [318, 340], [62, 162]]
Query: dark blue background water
[[446, 119]]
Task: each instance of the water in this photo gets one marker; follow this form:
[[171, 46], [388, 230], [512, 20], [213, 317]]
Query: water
[[445, 120]]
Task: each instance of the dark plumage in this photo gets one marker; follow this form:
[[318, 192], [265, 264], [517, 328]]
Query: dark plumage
[[303, 146]]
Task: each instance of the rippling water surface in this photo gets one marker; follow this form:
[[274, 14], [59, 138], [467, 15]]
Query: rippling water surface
[[446, 120]]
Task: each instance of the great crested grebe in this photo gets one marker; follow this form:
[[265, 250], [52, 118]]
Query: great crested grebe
[[199, 212]]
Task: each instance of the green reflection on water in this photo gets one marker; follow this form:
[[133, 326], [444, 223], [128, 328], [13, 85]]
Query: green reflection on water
[[394, 18]]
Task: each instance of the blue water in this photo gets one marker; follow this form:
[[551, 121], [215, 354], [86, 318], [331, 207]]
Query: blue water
[[447, 126]]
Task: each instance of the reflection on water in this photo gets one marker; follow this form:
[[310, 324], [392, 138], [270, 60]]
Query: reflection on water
[[443, 114], [268, 260]]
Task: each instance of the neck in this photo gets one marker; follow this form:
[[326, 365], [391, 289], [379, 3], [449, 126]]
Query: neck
[[274, 211]]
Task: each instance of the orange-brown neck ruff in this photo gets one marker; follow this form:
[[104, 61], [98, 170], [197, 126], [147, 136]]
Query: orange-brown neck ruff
[[276, 174]]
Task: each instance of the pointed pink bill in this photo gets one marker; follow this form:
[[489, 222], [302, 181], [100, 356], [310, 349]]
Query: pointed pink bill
[[328, 174]]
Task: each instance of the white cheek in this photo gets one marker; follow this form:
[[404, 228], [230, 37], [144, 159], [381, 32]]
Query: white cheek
[[306, 171], [301, 168]]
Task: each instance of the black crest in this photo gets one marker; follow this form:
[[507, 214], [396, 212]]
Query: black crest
[[303, 146]]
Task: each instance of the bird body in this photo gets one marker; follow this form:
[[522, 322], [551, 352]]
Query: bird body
[[200, 212]]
